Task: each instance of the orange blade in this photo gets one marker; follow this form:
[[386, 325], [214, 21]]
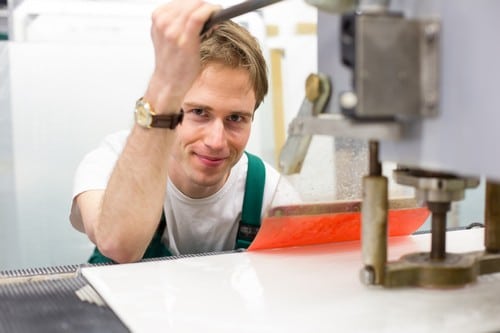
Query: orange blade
[[298, 230]]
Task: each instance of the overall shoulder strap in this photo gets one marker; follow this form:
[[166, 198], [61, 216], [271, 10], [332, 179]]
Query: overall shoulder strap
[[252, 201]]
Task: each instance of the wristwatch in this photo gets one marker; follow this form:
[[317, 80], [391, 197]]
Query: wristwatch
[[146, 117]]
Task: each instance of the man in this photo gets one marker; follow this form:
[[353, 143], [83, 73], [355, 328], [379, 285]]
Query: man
[[188, 163]]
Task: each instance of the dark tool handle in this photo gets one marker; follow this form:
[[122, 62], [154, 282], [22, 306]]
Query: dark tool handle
[[236, 10]]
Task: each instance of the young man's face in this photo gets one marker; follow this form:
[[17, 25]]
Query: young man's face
[[218, 112]]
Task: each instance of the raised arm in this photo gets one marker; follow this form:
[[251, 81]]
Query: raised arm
[[121, 220]]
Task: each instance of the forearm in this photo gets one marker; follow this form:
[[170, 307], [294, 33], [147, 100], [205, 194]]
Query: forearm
[[133, 200]]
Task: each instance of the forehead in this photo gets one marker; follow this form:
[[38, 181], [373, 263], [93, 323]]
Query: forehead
[[222, 85], [215, 70]]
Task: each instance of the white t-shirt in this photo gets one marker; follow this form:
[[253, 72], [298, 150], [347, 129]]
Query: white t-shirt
[[193, 225]]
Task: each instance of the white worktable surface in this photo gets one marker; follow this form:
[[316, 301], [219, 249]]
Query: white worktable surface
[[307, 289]]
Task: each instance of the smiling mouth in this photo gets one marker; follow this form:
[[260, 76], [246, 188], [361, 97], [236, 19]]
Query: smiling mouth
[[211, 160]]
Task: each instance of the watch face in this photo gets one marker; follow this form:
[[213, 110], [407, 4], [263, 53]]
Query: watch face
[[143, 115]]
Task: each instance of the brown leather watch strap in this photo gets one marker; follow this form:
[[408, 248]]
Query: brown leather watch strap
[[167, 121]]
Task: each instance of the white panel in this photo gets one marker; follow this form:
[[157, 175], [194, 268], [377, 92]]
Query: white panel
[[65, 99], [304, 289], [9, 242]]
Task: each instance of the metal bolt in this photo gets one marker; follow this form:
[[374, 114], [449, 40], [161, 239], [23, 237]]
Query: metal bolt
[[313, 87], [367, 275], [431, 31], [430, 103], [348, 100], [296, 126]]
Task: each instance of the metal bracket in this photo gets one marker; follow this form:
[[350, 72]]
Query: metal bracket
[[318, 90], [395, 64]]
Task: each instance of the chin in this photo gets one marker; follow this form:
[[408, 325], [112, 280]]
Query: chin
[[203, 177], [208, 181]]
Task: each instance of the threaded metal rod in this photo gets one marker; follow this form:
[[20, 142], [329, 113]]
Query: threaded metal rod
[[438, 229], [375, 167], [492, 217]]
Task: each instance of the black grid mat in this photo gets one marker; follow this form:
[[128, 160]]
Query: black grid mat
[[53, 306]]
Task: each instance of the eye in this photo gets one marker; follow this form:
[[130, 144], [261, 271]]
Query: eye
[[198, 112], [236, 118]]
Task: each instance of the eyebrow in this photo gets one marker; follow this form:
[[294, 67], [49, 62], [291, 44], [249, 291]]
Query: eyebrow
[[208, 108]]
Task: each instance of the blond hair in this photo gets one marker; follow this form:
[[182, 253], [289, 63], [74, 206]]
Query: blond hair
[[232, 45]]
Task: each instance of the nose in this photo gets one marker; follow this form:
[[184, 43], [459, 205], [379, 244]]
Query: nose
[[215, 135]]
